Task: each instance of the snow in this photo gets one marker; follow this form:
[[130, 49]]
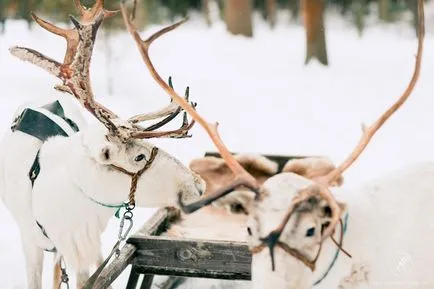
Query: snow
[[259, 90]]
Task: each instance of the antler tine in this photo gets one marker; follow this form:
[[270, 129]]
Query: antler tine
[[182, 132], [369, 132], [172, 110], [168, 110], [87, 15], [80, 7], [239, 172], [70, 35]]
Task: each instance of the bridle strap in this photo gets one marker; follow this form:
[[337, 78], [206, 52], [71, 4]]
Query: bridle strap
[[302, 258], [293, 252], [135, 176]]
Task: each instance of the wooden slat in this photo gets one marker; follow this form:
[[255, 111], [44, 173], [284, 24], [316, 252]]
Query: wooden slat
[[133, 279], [147, 282], [192, 258], [280, 160], [155, 225], [115, 268]]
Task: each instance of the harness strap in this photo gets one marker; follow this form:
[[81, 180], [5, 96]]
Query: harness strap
[[35, 169], [39, 125]]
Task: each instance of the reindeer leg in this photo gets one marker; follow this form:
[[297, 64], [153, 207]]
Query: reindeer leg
[[82, 277], [34, 257]]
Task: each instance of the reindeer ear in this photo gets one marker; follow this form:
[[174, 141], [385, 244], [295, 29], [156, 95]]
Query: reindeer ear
[[213, 171], [312, 168], [105, 152], [237, 202]]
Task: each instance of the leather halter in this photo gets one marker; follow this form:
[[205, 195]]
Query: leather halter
[[135, 176], [291, 251], [311, 264]]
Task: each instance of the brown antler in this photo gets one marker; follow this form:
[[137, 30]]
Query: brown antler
[[320, 188], [74, 72], [369, 132], [242, 177]]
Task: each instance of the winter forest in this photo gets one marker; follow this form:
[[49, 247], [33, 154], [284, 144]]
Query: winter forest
[[239, 15], [295, 78]]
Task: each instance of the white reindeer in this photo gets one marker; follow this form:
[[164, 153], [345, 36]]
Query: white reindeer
[[85, 176], [231, 211], [293, 218]]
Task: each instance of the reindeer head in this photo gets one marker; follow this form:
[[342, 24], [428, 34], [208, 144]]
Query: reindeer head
[[119, 144], [293, 248]]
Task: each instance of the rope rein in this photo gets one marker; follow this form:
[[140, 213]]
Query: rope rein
[[135, 176]]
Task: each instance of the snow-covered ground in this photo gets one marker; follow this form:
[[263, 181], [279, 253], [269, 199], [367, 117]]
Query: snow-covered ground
[[265, 99]]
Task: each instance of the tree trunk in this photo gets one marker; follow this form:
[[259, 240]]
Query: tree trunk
[[313, 19], [383, 9], [359, 9], [271, 12], [413, 7], [238, 17], [294, 8], [206, 12], [2, 16]]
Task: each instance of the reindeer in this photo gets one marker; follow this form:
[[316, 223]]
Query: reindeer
[[293, 218], [81, 175], [231, 211]]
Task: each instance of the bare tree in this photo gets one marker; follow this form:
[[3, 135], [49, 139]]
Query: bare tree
[[313, 20], [383, 9], [271, 7], [294, 8], [238, 17]]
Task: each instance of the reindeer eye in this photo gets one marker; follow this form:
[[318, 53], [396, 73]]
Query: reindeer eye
[[139, 158], [249, 231], [310, 232]]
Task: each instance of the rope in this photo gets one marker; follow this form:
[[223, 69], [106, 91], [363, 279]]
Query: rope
[[343, 230]]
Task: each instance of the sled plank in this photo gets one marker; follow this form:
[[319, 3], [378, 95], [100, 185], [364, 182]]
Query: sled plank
[[280, 160], [192, 258]]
